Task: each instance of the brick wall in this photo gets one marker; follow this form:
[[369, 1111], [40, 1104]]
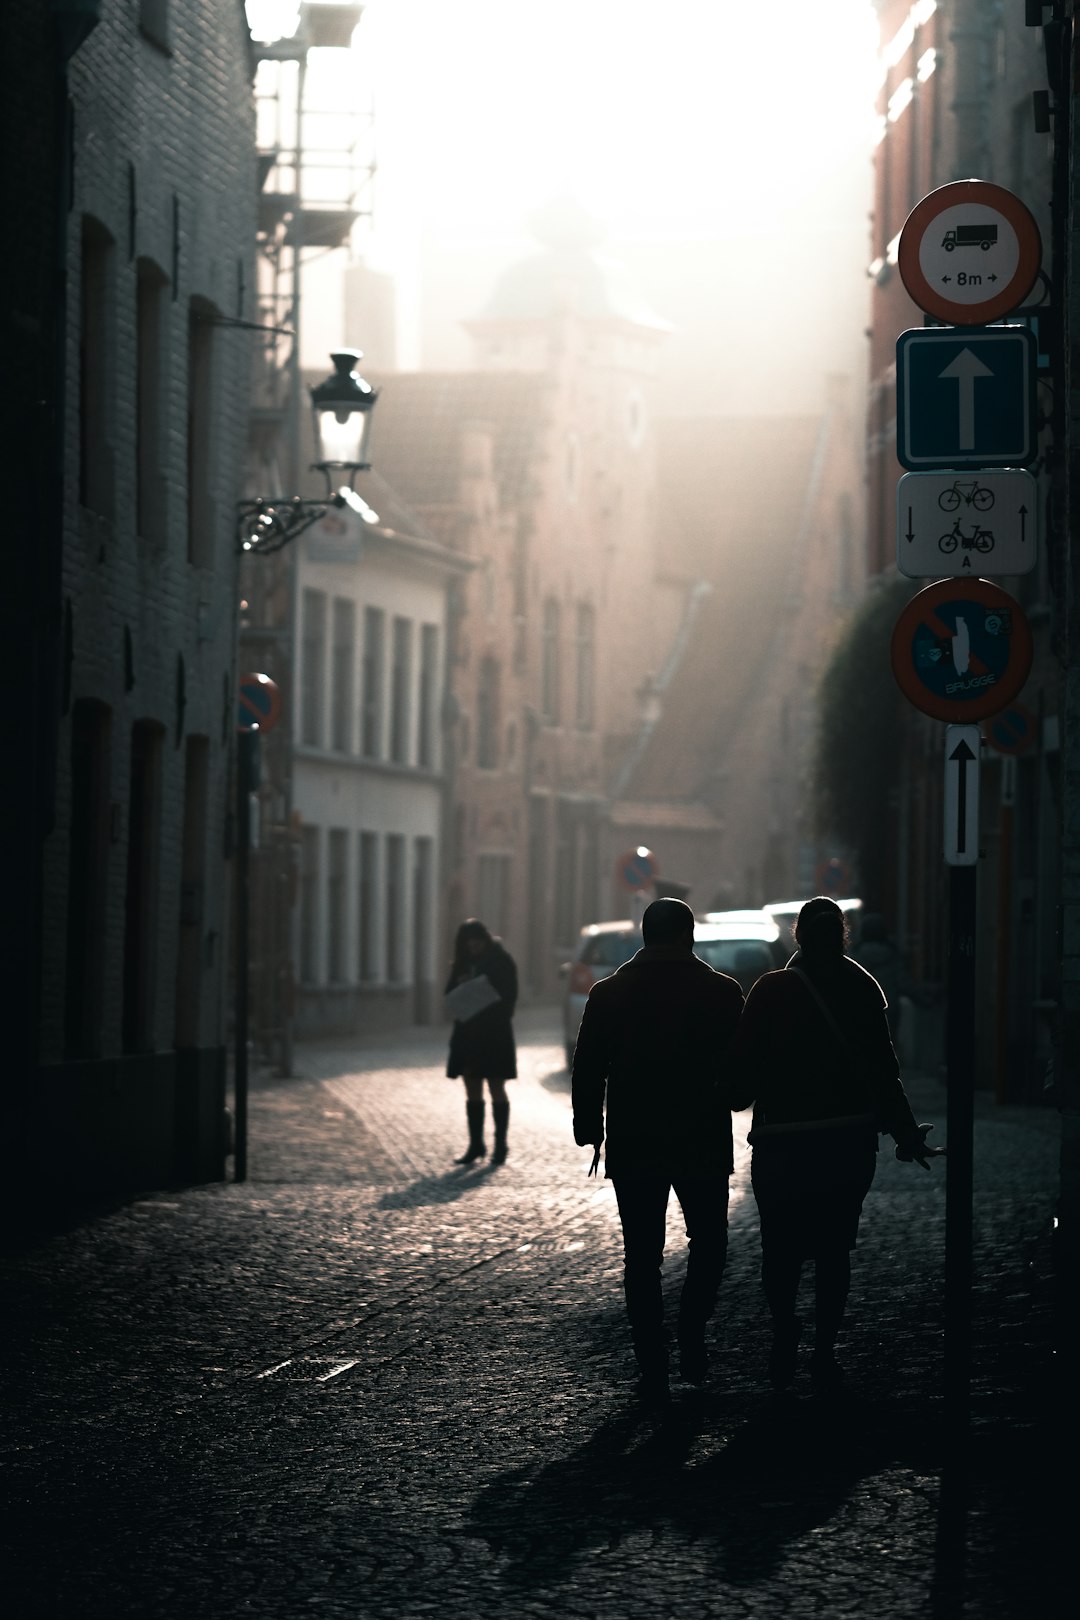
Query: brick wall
[[165, 173]]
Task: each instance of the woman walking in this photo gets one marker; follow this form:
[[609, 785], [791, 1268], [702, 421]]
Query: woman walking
[[482, 1042], [814, 1056]]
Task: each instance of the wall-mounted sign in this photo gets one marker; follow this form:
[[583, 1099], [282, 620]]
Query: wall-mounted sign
[[969, 252]]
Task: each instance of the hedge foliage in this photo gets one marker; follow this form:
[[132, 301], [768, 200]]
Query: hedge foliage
[[859, 753]]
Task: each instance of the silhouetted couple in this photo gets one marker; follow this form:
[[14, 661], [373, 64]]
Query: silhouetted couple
[[667, 1050]]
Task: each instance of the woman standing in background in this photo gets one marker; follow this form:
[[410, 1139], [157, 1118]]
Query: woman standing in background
[[482, 1043]]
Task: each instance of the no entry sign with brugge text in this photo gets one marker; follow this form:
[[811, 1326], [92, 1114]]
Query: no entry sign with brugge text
[[961, 650]]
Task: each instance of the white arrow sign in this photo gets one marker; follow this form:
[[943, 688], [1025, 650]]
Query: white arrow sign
[[950, 525], [962, 795], [966, 368]]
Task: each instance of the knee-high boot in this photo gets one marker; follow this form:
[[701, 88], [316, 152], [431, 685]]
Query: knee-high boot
[[477, 1148], [500, 1113]]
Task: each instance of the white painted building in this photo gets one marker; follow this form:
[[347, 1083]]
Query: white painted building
[[369, 769]]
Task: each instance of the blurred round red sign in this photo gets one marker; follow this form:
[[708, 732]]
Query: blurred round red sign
[[258, 703], [1013, 731]]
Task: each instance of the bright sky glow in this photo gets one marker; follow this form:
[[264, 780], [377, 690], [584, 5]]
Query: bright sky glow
[[661, 120], [672, 123]]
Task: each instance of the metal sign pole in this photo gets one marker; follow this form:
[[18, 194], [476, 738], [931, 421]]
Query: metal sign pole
[[961, 845], [247, 773]]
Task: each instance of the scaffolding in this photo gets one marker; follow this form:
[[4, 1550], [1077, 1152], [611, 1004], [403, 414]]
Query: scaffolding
[[315, 141]]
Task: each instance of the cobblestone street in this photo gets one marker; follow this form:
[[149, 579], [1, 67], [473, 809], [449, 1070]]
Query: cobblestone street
[[370, 1384]]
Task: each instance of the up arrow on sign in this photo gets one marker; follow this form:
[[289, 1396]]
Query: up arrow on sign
[[988, 419], [962, 795], [965, 368]]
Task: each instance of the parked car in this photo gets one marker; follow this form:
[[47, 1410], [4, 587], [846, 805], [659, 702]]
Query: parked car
[[752, 925], [785, 914], [744, 944]]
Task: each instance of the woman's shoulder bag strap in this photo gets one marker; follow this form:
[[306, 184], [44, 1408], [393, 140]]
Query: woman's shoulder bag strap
[[826, 1010]]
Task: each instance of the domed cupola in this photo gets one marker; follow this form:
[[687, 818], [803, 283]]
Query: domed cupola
[[568, 276]]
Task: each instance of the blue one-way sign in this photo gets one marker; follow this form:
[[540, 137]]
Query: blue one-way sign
[[966, 398]]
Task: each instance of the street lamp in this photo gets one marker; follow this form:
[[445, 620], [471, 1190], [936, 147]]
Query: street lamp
[[341, 407]]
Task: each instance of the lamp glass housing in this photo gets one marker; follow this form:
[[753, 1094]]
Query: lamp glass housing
[[341, 435], [341, 410]]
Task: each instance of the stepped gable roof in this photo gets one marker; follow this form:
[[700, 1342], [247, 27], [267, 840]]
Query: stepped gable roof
[[732, 495], [416, 434]]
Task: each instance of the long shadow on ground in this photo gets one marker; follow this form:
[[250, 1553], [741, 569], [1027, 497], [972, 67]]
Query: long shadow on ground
[[764, 1482], [444, 1189], [784, 1471]]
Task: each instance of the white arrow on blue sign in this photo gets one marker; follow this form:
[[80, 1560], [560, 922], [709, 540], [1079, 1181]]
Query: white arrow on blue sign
[[966, 397]]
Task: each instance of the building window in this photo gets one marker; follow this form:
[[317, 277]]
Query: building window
[[201, 429], [190, 945], [141, 932], [429, 685], [309, 905], [549, 673], [149, 394], [493, 891], [312, 667], [341, 691], [487, 715], [573, 467], [845, 549], [367, 897], [95, 370], [423, 917], [635, 419], [372, 693], [519, 569], [88, 877], [519, 576], [401, 679], [154, 22], [395, 908], [336, 896], [566, 856], [459, 836], [585, 685]]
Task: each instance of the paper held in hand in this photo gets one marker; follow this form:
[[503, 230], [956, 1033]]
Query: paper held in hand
[[465, 1000]]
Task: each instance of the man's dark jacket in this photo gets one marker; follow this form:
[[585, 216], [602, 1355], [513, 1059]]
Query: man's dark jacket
[[655, 1036]]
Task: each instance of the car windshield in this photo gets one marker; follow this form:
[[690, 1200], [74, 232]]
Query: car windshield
[[745, 959], [610, 950]]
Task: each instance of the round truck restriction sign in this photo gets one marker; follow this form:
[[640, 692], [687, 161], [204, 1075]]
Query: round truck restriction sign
[[961, 650], [969, 252]]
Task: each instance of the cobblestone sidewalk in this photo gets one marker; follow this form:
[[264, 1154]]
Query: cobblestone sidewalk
[[371, 1384]]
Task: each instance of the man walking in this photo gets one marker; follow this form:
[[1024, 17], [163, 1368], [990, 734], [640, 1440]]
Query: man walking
[[652, 1044]]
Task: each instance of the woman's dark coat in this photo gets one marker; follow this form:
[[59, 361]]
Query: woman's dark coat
[[799, 1072], [484, 1046]]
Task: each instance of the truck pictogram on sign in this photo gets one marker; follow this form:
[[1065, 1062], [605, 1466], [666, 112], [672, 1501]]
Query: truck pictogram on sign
[[980, 236]]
